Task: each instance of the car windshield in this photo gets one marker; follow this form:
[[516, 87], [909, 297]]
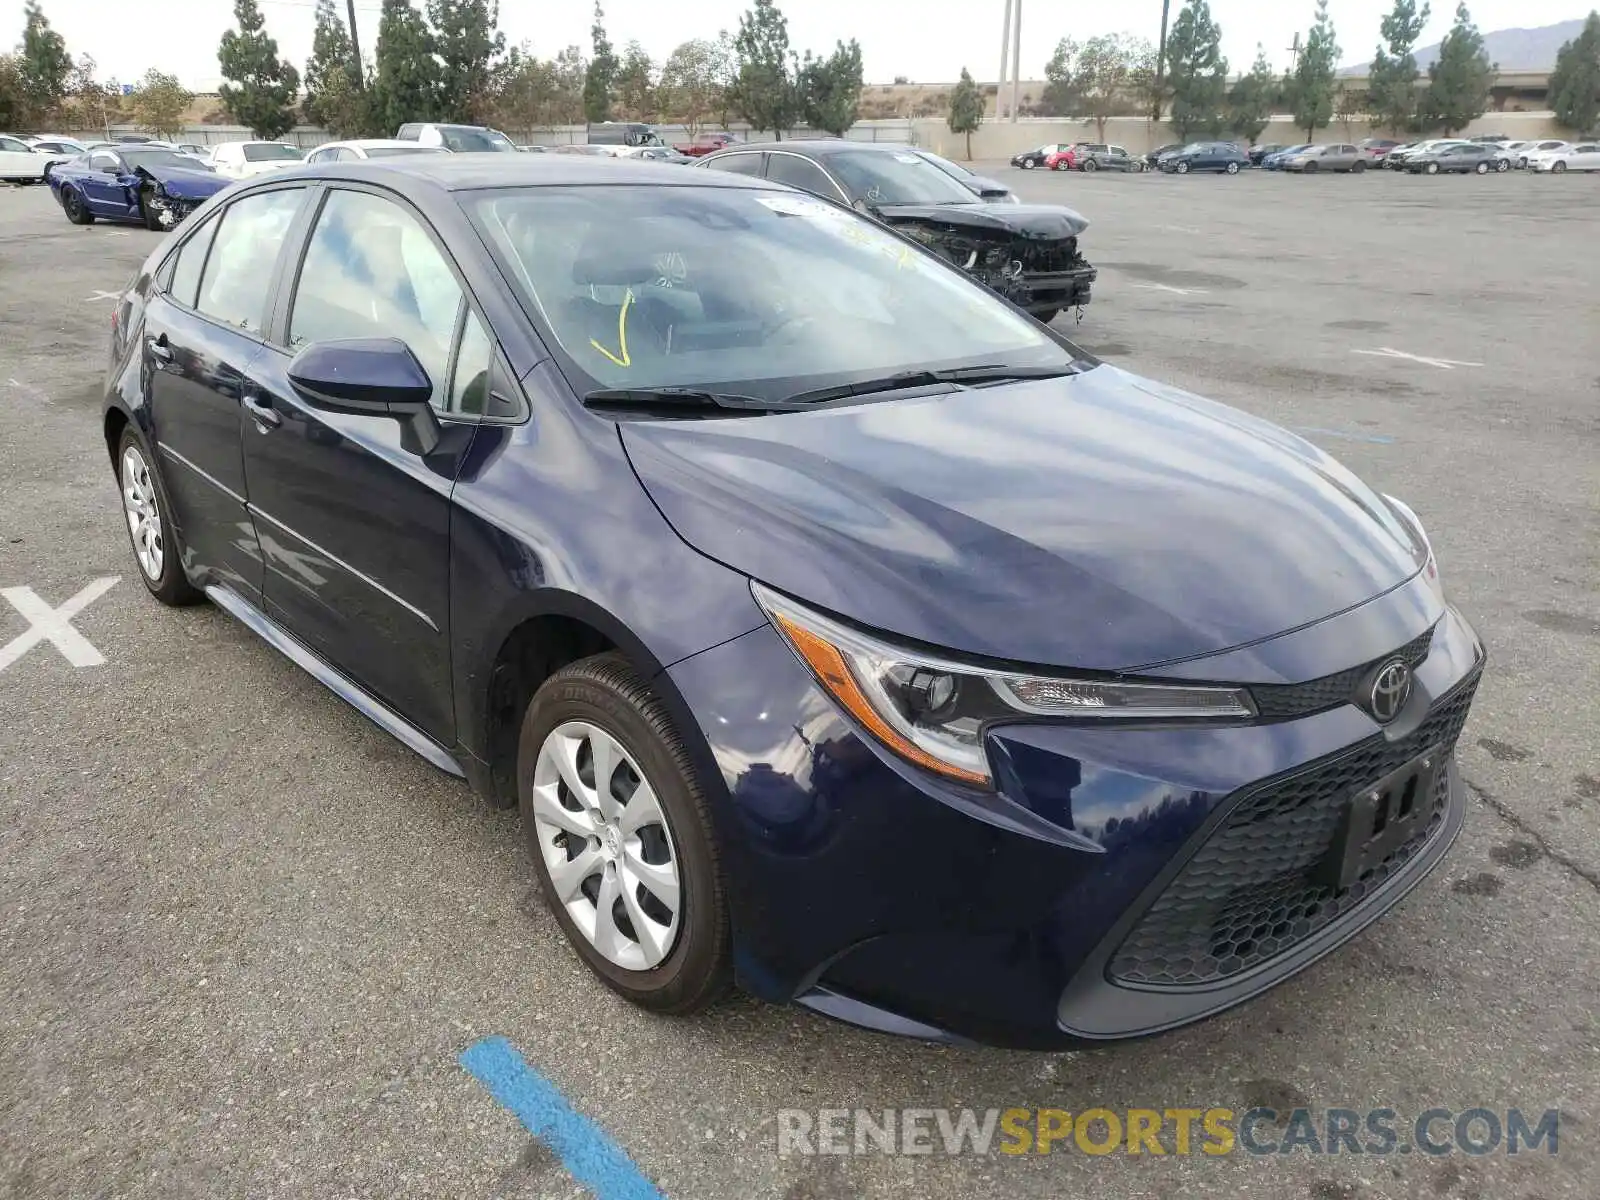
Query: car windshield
[[952, 169], [392, 151], [270, 152], [898, 177], [466, 140], [745, 291], [160, 158]]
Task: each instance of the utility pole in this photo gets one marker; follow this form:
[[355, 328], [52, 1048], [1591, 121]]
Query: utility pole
[[1005, 49], [1294, 54], [1161, 59], [1016, 59], [355, 41]]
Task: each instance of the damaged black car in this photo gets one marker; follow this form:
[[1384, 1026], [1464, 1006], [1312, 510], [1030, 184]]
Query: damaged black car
[[1028, 253], [157, 188]]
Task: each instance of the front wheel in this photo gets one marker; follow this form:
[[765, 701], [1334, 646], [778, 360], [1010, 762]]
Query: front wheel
[[1138, 168], [1433, 168], [1482, 168], [1048, 315], [145, 506], [1028, 164], [1183, 168], [621, 837], [1502, 166], [1233, 168], [1359, 167], [1559, 169]]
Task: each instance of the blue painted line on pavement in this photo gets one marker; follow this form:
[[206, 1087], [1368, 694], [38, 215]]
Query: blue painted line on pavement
[[593, 1159], [1376, 438]]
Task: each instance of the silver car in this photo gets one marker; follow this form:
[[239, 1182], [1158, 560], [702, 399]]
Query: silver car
[[1335, 156], [1529, 149]]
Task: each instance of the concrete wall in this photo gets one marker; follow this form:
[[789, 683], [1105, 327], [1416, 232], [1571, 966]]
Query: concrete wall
[[1001, 139]]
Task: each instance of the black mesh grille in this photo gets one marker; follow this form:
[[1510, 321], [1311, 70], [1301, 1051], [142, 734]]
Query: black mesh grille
[[1252, 890], [1049, 256], [1277, 701]]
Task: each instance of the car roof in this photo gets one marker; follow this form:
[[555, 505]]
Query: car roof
[[372, 144], [822, 147], [472, 172]]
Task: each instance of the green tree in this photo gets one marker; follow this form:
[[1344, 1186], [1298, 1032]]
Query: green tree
[[1349, 104], [1575, 83], [830, 88], [330, 71], [1062, 95], [725, 70], [471, 48], [89, 104], [1105, 74], [1459, 82], [966, 109], [690, 84], [1197, 74], [160, 102], [636, 84], [1312, 88], [44, 67], [1251, 100], [405, 77], [1392, 86], [261, 87], [602, 73], [11, 101], [765, 92]]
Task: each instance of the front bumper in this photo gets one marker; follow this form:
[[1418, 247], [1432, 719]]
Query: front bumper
[[872, 892], [170, 211]]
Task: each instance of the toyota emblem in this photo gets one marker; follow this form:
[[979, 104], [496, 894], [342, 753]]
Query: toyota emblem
[[1391, 688]]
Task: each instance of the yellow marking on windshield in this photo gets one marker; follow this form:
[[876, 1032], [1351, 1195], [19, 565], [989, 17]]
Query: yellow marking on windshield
[[622, 334], [905, 260]]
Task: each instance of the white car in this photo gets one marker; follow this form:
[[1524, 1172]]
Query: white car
[[1529, 149], [56, 147], [21, 162], [360, 148], [1584, 156], [245, 160]]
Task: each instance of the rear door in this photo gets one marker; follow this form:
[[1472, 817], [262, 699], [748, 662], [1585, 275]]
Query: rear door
[[354, 520], [1585, 157], [18, 161], [202, 331]]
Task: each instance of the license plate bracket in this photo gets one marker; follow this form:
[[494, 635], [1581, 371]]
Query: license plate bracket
[[1380, 818]]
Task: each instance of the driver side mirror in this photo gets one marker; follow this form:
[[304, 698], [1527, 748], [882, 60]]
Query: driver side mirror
[[378, 377]]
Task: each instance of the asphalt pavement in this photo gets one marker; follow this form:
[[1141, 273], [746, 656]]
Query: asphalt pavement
[[245, 937]]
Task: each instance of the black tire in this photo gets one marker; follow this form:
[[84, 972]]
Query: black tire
[[1182, 168], [1359, 168], [1502, 165], [151, 221], [1482, 168], [607, 692], [171, 586], [1048, 315], [1232, 168], [77, 211], [1309, 169], [1061, 165], [1432, 168], [1137, 168], [1028, 164], [1089, 164], [1559, 168]]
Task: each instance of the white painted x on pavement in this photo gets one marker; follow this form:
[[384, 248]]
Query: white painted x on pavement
[[54, 625]]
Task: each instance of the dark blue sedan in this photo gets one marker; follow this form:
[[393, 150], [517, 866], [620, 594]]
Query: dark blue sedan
[[157, 188], [841, 632], [1222, 157]]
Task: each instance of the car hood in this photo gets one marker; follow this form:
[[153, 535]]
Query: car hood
[[185, 181], [1098, 521], [1045, 222]]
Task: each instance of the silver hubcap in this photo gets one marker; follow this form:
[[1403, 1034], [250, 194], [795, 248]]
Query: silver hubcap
[[606, 846], [144, 517]]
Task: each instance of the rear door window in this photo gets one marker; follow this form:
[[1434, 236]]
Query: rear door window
[[740, 164], [185, 285], [238, 272]]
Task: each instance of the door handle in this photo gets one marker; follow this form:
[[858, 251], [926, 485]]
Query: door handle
[[159, 349], [266, 417]]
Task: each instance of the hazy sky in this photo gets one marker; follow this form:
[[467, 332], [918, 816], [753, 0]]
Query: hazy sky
[[898, 37]]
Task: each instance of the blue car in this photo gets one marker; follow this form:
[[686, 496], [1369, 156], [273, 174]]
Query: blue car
[[1275, 161], [157, 188], [842, 633]]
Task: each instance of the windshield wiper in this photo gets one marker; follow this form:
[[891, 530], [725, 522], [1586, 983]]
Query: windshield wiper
[[987, 373], [679, 399]]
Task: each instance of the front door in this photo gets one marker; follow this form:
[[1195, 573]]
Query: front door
[[354, 520], [201, 334], [102, 184]]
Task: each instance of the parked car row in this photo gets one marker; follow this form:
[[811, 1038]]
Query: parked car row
[[1079, 156]]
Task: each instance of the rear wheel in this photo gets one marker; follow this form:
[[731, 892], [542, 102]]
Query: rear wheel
[[1089, 164], [1502, 165], [621, 837], [144, 504], [77, 211]]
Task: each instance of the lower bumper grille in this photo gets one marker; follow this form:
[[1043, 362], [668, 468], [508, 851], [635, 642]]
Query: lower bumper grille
[[1258, 886]]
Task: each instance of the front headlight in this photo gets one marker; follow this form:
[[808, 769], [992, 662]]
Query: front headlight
[[933, 711], [1424, 546]]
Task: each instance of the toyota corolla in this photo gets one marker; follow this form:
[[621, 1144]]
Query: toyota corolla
[[843, 633]]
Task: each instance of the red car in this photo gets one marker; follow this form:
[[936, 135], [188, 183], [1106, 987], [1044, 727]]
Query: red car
[[1064, 159], [704, 144]]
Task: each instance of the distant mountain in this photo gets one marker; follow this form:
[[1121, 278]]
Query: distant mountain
[[1513, 49]]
